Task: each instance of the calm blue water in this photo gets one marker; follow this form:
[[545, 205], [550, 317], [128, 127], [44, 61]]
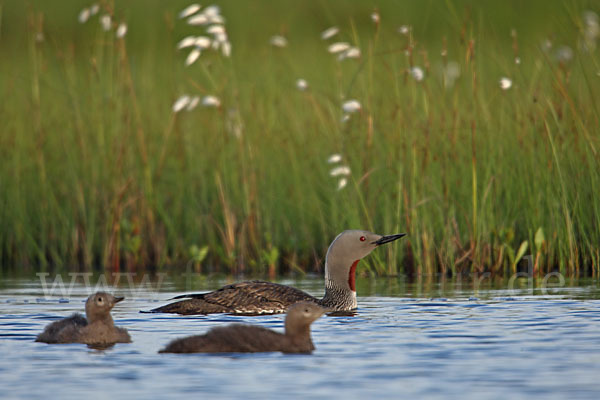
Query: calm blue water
[[491, 344]]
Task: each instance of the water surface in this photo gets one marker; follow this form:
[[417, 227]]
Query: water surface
[[407, 343]]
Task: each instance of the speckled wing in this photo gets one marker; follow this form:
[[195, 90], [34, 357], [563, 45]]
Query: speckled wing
[[252, 297]]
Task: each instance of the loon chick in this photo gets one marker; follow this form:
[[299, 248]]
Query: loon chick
[[96, 328], [240, 338], [257, 297]]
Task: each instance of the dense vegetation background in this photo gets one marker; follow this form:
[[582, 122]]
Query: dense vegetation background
[[477, 134]]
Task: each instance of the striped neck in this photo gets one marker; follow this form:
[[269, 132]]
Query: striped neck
[[338, 295]]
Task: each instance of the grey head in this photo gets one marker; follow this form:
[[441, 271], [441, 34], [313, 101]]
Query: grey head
[[346, 250], [301, 315], [98, 306]]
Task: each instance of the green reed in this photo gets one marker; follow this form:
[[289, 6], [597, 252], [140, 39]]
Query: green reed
[[98, 172]]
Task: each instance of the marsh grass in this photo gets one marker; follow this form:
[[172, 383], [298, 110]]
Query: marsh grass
[[98, 172]]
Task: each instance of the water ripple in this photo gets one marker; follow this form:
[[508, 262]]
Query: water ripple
[[484, 346]]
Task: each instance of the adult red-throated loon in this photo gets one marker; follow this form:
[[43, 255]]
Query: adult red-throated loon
[[257, 297]]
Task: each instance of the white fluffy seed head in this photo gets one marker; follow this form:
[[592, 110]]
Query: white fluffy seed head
[[198, 19], [341, 170], [216, 19], [121, 30], [338, 47], [342, 183], [352, 52], [211, 101], [301, 84], [334, 158], [193, 102], [226, 48], [221, 37], [278, 41], [212, 11], [351, 106], [375, 17], [417, 73], [189, 10], [181, 103], [202, 42], [329, 32], [84, 15], [216, 29], [404, 29], [505, 83], [564, 54], [187, 41], [106, 22], [192, 57]]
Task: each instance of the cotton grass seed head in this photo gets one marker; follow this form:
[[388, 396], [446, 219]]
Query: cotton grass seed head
[[404, 29], [505, 83], [216, 19], [216, 29], [106, 22], [352, 52], [278, 41], [301, 84], [591, 31], [220, 38], [189, 10], [94, 8], [338, 47], [202, 42], [417, 73], [342, 183], [226, 49], [181, 103], [341, 170], [375, 17], [451, 73], [193, 102], [121, 30], [351, 106], [187, 41], [213, 21], [198, 19], [192, 57], [334, 158], [212, 11], [564, 54], [211, 101], [329, 32], [83, 16]]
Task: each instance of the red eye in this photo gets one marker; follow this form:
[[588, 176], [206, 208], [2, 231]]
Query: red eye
[[362, 238]]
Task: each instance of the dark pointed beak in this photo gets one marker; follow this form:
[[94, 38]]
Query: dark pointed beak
[[388, 238], [118, 299]]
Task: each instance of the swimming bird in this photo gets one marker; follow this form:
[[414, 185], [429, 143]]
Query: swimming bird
[[241, 338], [258, 297], [96, 328]]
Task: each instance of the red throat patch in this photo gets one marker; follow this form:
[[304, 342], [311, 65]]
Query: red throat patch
[[352, 276]]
